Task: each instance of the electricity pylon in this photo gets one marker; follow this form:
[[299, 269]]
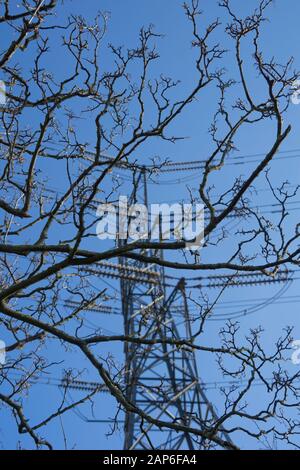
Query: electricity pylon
[[160, 378]]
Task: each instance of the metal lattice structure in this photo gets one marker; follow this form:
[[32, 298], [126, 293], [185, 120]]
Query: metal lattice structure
[[160, 378]]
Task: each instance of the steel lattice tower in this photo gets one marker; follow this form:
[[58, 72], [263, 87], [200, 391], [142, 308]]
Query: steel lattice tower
[[161, 379]]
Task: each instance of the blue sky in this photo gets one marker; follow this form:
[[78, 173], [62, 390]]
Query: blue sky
[[280, 38]]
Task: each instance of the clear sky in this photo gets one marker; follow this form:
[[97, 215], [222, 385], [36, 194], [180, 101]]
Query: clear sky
[[280, 38]]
